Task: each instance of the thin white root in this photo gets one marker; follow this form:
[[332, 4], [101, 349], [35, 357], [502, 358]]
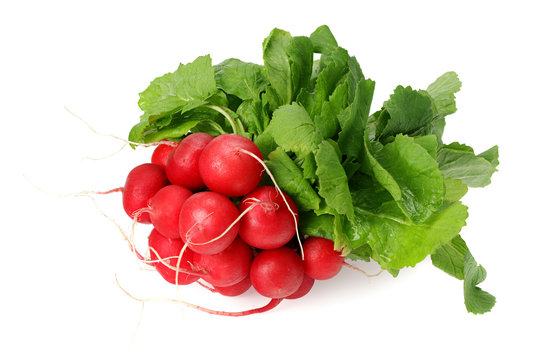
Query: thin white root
[[117, 137], [224, 232], [360, 270], [282, 195]]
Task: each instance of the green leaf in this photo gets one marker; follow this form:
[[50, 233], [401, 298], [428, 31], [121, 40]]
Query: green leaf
[[327, 81], [323, 40], [327, 120], [455, 189], [491, 155], [317, 225], [477, 301], [251, 114], [450, 257], [185, 89], [300, 54], [428, 142], [288, 62], [442, 91], [409, 110], [411, 176], [244, 80], [333, 182], [291, 179], [265, 142], [355, 75], [276, 63], [293, 130], [397, 242], [353, 119], [458, 161], [456, 260]]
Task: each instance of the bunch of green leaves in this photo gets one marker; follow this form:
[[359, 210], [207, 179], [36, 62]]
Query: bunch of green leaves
[[381, 185]]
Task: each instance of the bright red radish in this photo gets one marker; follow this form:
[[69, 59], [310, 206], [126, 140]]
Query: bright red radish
[[269, 224], [160, 154], [225, 268], [236, 289], [277, 273], [226, 169], [321, 261], [183, 162], [304, 288], [165, 248], [206, 222], [164, 208], [142, 183]]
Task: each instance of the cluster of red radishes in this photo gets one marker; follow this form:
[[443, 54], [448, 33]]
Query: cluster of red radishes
[[213, 222]]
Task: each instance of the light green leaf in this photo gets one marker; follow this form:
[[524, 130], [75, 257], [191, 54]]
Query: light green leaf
[[477, 301], [421, 184], [323, 40], [450, 257], [458, 161], [455, 189], [409, 110], [333, 182], [290, 178], [185, 89], [397, 243], [244, 80], [353, 119], [276, 63], [251, 114], [442, 91], [293, 130]]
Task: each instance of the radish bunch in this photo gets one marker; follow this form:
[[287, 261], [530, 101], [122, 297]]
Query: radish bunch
[[213, 221]]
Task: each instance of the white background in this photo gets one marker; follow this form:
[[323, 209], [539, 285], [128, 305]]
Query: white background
[[60, 255]]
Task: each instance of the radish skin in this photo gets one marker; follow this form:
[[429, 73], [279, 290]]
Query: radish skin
[[204, 220], [164, 209], [277, 273], [142, 183], [225, 169]]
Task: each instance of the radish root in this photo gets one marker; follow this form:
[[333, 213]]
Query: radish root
[[271, 304], [360, 270]]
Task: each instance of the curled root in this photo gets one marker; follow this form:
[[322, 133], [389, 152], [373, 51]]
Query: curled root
[[271, 304]]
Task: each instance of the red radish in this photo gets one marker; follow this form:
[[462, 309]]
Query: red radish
[[164, 209], [183, 162], [226, 169], [304, 288], [160, 154], [234, 290], [321, 261], [277, 273], [166, 248], [269, 224], [225, 268], [141, 184], [207, 222]]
